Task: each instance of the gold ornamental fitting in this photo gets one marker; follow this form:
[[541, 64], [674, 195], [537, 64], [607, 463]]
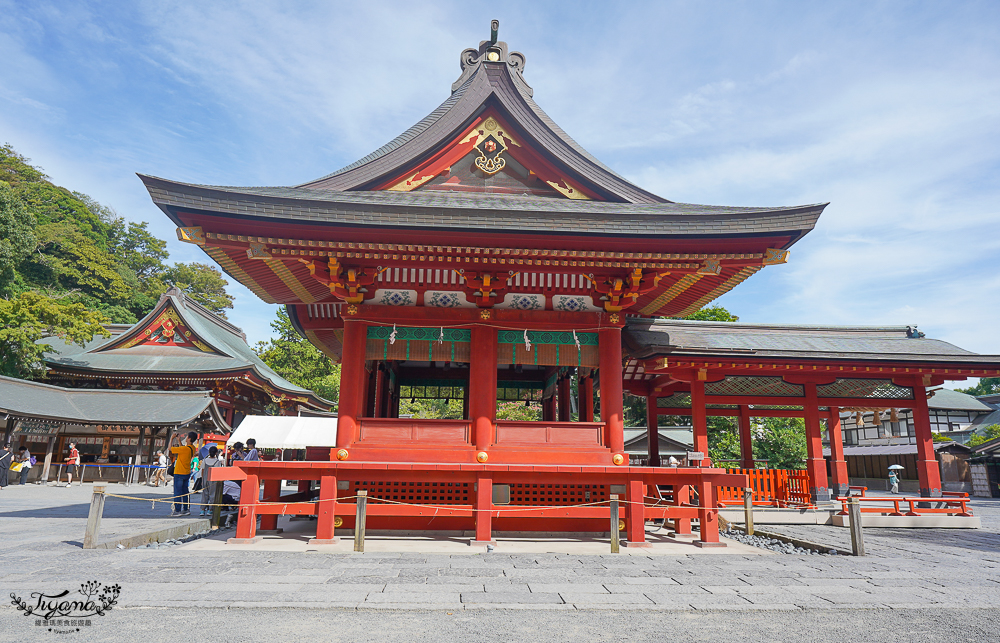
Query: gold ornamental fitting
[[618, 459], [621, 525], [338, 521], [482, 456], [342, 454]]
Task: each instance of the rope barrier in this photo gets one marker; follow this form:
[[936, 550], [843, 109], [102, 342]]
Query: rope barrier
[[516, 508]]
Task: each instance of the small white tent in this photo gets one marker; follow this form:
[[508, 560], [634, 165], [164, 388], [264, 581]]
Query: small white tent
[[286, 432]]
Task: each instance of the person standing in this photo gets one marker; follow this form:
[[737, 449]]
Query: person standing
[[237, 453], [72, 464], [252, 455], [208, 488], [24, 457], [6, 459], [182, 473], [160, 474], [894, 481]]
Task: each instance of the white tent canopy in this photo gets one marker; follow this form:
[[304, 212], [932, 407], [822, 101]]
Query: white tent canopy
[[286, 432]]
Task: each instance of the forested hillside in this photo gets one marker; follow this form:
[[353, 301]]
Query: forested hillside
[[69, 264]]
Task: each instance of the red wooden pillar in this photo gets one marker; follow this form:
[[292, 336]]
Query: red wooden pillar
[[699, 419], [585, 390], [483, 385], [484, 506], [564, 395], [708, 517], [612, 401], [272, 493], [652, 431], [246, 521], [352, 381], [746, 439], [549, 409], [927, 465], [635, 513], [682, 496], [326, 512], [815, 462], [838, 465], [381, 390]]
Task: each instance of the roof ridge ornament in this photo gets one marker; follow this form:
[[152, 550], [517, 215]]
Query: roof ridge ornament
[[495, 52]]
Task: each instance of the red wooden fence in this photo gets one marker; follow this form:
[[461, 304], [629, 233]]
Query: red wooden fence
[[774, 487]]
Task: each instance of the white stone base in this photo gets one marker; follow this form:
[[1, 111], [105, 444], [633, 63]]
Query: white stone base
[[939, 521]]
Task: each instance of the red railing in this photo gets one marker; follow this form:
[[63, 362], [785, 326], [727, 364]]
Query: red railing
[[953, 506], [771, 487]]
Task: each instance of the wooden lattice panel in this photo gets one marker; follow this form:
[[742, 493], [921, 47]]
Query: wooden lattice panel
[[440, 493], [557, 494]]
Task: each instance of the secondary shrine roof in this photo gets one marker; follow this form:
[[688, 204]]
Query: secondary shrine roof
[[98, 406], [179, 338], [644, 338]]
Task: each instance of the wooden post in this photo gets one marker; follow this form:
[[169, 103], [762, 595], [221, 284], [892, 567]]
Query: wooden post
[[815, 462], [614, 524], [246, 523], [748, 509], [682, 495], [708, 517], [272, 493], [854, 517], [549, 408], [636, 514], [48, 460], [326, 512], [564, 387], [585, 390], [94, 519], [927, 466], [483, 511], [483, 385], [699, 419], [612, 401], [838, 465], [217, 505], [359, 521], [352, 381], [746, 438], [652, 431]]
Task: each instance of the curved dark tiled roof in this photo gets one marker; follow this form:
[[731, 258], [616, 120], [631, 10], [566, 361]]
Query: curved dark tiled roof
[[97, 406], [644, 338], [461, 210], [502, 85], [232, 354]]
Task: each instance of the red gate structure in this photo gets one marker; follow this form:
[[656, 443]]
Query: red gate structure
[[484, 255]]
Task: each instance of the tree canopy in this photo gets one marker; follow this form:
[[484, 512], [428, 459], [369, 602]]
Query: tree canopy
[[298, 361], [986, 386], [67, 245]]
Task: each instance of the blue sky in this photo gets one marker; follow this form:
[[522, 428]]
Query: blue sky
[[888, 110]]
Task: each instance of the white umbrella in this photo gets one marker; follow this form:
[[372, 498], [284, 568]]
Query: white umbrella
[[896, 466]]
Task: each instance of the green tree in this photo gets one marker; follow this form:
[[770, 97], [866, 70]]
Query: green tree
[[30, 317], [17, 239], [713, 313], [298, 361], [986, 386], [985, 434], [203, 283]]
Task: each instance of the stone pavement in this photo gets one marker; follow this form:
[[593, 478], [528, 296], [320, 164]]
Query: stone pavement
[[926, 569]]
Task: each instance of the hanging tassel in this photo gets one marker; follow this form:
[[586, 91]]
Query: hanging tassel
[[893, 415], [859, 419], [392, 335], [441, 336], [527, 342], [576, 340]]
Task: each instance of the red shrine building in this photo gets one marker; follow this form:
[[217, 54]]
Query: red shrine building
[[485, 255]]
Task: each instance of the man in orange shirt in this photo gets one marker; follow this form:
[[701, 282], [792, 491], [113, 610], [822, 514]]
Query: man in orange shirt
[[72, 464], [182, 473]]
